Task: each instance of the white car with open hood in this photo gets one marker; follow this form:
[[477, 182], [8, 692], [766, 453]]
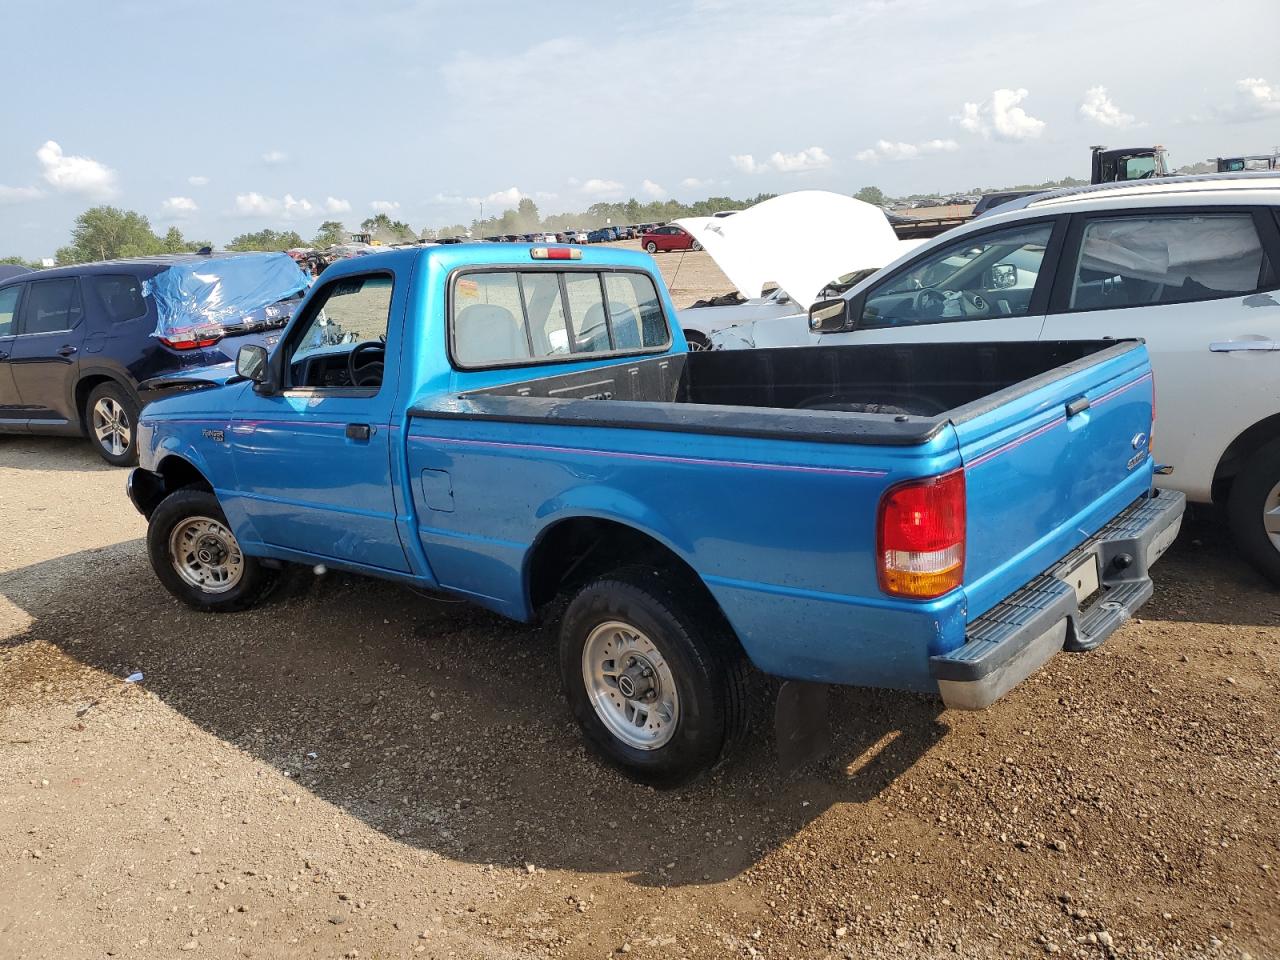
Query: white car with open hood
[[1190, 264], [805, 242]]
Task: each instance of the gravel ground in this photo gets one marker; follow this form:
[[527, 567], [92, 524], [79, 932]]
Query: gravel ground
[[359, 770]]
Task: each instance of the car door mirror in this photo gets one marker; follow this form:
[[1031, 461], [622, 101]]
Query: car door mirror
[[830, 316], [1003, 276], [251, 363]]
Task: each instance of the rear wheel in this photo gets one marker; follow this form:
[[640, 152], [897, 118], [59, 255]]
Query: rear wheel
[[196, 556], [653, 675], [1253, 510], [111, 418], [651, 247]]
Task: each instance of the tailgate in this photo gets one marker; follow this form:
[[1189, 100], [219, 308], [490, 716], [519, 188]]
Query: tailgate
[[1048, 463]]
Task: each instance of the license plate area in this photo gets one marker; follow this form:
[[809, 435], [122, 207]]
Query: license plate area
[[1081, 574]]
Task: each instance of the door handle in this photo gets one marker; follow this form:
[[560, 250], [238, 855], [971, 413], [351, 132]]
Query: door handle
[[359, 431], [1230, 346], [66, 350]]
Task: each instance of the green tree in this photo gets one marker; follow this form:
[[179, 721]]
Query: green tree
[[107, 233], [331, 233], [266, 239], [871, 195], [20, 262], [382, 228]]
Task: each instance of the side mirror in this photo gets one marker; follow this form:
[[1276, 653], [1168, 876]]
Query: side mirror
[[251, 363], [830, 316], [1003, 276]]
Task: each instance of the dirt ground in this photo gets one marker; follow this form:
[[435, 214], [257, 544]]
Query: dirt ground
[[359, 770]]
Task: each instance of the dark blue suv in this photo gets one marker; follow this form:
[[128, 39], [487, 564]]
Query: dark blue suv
[[78, 344]]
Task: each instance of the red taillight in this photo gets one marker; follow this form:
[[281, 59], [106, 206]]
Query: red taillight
[[190, 343], [920, 537]]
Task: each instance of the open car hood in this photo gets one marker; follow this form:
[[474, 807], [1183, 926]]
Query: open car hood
[[801, 241]]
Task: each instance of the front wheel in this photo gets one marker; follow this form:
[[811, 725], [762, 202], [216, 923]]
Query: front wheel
[[197, 557], [696, 246], [111, 416], [654, 676], [651, 247], [1254, 511]]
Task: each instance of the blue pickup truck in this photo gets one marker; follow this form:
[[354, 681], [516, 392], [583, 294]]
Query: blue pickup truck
[[521, 426]]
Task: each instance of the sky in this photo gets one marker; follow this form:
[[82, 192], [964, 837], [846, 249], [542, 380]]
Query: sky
[[232, 116]]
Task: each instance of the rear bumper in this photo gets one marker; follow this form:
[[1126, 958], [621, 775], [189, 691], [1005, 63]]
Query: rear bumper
[[1011, 641]]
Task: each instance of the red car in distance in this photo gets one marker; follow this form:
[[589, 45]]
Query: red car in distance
[[668, 238]]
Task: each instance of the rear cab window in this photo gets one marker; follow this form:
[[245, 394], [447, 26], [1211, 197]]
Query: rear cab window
[[517, 317]]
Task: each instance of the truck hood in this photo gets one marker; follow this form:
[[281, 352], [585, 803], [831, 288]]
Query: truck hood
[[214, 375], [800, 241]]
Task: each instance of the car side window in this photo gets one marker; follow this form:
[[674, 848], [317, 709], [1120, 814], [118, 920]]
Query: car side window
[[120, 296], [990, 275], [1152, 259], [9, 298], [514, 317], [51, 306], [343, 342]]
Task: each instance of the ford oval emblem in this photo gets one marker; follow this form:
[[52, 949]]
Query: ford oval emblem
[[1139, 441]]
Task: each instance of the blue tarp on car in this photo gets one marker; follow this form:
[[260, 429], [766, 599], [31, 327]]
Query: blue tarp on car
[[222, 291]]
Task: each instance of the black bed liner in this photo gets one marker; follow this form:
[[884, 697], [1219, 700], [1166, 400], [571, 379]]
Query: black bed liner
[[821, 393]]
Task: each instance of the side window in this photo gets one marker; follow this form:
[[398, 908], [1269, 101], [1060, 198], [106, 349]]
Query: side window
[[51, 305], [990, 275], [9, 298], [120, 297], [347, 314], [1136, 261], [511, 317]]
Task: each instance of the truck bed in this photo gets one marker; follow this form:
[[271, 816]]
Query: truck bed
[[891, 394]]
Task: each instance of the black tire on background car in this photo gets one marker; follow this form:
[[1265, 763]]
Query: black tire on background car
[[111, 421], [697, 341], [651, 247], [197, 557], [654, 676], [696, 246], [1253, 510]]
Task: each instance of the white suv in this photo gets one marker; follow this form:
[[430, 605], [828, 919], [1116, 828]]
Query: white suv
[[1190, 264]]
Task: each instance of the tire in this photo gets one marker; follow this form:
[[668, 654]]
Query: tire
[[696, 246], [197, 514], [651, 247], [111, 422], [690, 652], [1255, 492], [697, 342]]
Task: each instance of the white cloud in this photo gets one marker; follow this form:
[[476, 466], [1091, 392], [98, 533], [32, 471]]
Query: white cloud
[[814, 158], [652, 190], [334, 205], [506, 199], [76, 174], [256, 205], [385, 206], [1099, 107], [18, 194], [274, 157], [891, 150], [1254, 100], [198, 181], [297, 208], [1000, 117], [179, 206], [604, 189], [693, 183]]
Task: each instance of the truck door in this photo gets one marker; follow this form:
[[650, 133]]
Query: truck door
[[1192, 283], [12, 419], [44, 356], [313, 459]]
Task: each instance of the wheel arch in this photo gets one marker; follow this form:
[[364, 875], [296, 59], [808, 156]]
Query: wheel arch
[[173, 473], [89, 382], [1239, 451]]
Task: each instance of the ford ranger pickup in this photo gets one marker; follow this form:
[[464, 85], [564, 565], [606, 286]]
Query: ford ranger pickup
[[523, 427]]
